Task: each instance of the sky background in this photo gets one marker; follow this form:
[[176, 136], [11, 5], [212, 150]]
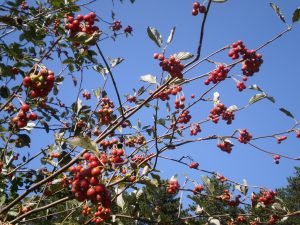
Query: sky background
[[252, 21]]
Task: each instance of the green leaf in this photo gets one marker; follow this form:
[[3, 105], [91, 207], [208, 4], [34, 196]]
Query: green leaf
[[120, 199], [84, 142], [219, 1], [148, 78], [4, 92], [296, 15], [286, 112], [2, 199], [208, 184], [259, 97], [183, 55], [170, 38], [114, 62], [155, 36], [277, 11], [256, 88], [241, 188]]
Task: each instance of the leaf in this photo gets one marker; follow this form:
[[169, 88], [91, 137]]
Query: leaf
[[2, 199], [4, 92], [208, 184], [216, 98], [296, 15], [213, 221], [120, 201], [286, 112], [155, 36], [183, 55], [170, 38], [219, 1], [114, 62], [29, 126], [148, 78], [79, 105], [139, 193], [241, 188], [232, 108], [256, 88], [277, 11], [84, 142], [257, 98]]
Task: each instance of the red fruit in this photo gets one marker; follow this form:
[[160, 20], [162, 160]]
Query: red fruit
[[91, 192], [196, 5], [155, 55], [80, 17], [86, 17], [92, 15], [79, 196], [33, 94], [100, 188], [96, 171], [21, 124], [194, 12], [84, 184], [94, 181], [70, 19], [202, 9], [50, 78], [26, 81], [86, 156], [33, 116], [25, 107]]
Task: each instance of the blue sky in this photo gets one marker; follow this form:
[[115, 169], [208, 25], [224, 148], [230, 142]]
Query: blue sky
[[252, 21]]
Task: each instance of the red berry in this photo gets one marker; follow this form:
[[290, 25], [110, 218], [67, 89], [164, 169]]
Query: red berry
[[33, 116], [25, 107], [96, 171]]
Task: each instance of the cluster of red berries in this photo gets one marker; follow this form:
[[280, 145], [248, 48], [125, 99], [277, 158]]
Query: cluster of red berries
[[101, 215], [240, 86], [56, 26], [268, 197], [219, 74], [140, 158], [225, 146], [179, 103], [15, 70], [86, 185], [128, 29], [280, 139], [226, 196], [221, 178], [198, 188], [82, 23], [164, 95], [132, 141], [221, 110], [273, 219], [173, 186], [87, 95], [198, 8], [194, 165], [40, 84], [276, 158], [1, 166], [116, 154], [85, 210], [22, 117], [131, 98], [241, 219], [172, 65], [107, 143], [195, 129], [245, 136], [106, 112], [184, 117], [252, 60]]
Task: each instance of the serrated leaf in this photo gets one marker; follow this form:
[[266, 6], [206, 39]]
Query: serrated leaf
[[183, 55], [277, 11], [155, 36], [170, 38], [85, 143], [208, 184], [148, 78], [296, 15], [286, 112], [255, 87], [116, 61]]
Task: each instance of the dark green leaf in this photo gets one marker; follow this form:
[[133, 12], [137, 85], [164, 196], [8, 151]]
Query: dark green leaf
[[286, 112], [4, 92], [277, 11], [296, 15]]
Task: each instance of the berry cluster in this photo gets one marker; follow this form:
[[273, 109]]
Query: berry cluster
[[280, 139], [195, 129], [219, 74], [131, 98], [298, 134], [173, 187], [198, 188], [86, 185], [273, 219], [101, 215], [56, 26], [252, 60], [225, 146], [179, 103], [221, 110], [108, 144], [116, 25], [132, 141], [171, 65], [87, 95], [39, 83], [140, 158], [128, 29], [198, 8], [116, 154], [241, 219], [85, 210], [184, 117], [245, 136], [164, 95], [106, 112], [226, 196], [22, 117], [240, 86], [194, 165], [276, 158], [268, 197], [82, 24]]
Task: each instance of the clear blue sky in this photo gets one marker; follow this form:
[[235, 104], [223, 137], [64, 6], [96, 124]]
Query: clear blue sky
[[252, 21]]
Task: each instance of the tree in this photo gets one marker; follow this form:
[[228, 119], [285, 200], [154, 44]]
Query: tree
[[77, 152]]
